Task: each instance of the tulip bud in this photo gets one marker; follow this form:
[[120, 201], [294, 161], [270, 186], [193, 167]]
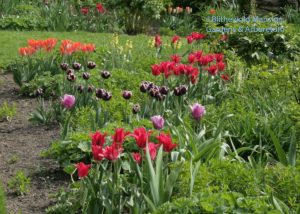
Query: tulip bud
[[105, 74], [143, 87], [71, 77], [127, 95], [67, 101], [177, 91], [69, 70], [91, 65], [86, 75], [153, 92], [100, 93], [164, 90], [90, 89], [150, 86], [198, 111], [158, 122], [76, 66], [64, 66], [107, 96], [80, 88], [136, 109], [183, 89]]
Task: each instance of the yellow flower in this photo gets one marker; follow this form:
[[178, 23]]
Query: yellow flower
[[151, 43], [177, 45]]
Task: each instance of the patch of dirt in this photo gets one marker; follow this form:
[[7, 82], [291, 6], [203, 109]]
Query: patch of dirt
[[21, 144]]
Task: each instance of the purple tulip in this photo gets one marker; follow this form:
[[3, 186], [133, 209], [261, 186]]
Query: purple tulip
[[67, 101], [127, 95], [198, 111], [158, 121]]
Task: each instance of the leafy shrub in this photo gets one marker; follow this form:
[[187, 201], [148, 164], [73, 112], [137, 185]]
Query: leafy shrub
[[19, 183], [7, 112], [250, 183]]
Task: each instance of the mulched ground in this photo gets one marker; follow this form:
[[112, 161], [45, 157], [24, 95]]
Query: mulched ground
[[21, 144]]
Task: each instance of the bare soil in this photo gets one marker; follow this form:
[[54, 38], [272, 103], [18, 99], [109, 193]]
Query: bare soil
[[21, 145]]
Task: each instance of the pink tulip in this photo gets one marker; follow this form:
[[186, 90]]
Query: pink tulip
[[198, 111], [158, 121], [67, 101]]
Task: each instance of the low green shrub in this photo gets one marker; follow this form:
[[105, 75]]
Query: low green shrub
[[251, 184], [19, 183]]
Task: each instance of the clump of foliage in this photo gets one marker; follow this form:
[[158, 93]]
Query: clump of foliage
[[19, 183], [7, 112]]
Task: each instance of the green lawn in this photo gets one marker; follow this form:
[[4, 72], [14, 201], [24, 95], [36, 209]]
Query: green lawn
[[12, 40]]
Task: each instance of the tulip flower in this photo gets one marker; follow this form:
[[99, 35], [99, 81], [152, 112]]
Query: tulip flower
[[105, 74], [175, 39], [158, 41], [98, 138], [80, 88], [158, 122], [112, 152], [91, 89], [152, 150], [198, 111], [67, 101], [166, 141], [83, 169], [64, 66], [127, 95], [119, 135], [141, 136], [100, 93], [136, 109], [97, 152], [91, 65], [86, 75], [137, 157], [76, 66]]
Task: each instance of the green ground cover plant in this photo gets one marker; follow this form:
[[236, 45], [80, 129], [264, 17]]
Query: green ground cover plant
[[2, 200]]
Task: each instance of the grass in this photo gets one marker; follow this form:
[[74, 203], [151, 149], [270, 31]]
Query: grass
[[12, 40], [2, 200]]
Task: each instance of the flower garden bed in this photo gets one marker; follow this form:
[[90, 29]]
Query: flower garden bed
[[111, 123]]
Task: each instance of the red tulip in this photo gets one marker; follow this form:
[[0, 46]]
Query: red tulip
[[166, 141], [152, 150], [112, 152], [189, 39], [98, 138], [219, 57], [85, 10], [191, 58], [175, 58], [141, 136], [213, 69], [100, 8], [137, 157], [155, 70], [225, 77], [97, 152], [221, 66], [175, 39], [119, 135], [83, 170], [158, 41]]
